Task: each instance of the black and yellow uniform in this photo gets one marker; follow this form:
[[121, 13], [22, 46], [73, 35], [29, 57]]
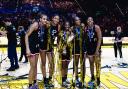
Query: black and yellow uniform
[[78, 51], [91, 40], [52, 34], [78, 41], [66, 48], [34, 42], [43, 38]]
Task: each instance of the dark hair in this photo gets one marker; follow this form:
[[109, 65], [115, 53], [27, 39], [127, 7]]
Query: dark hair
[[90, 17], [55, 15], [42, 14], [74, 19], [63, 25], [77, 18]]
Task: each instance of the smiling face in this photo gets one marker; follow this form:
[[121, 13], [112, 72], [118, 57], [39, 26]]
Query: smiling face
[[56, 19], [43, 19], [67, 25], [90, 21]]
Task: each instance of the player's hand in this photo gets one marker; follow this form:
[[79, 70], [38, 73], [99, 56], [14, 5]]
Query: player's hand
[[28, 53], [97, 53]]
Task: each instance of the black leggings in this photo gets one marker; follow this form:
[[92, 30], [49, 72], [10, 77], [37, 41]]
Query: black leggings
[[23, 53], [118, 46]]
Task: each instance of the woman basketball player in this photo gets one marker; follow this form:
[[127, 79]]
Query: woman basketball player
[[66, 51], [93, 42], [52, 35], [78, 50], [43, 31], [32, 51]]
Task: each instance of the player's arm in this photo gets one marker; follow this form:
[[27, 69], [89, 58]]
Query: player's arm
[[99, 35]]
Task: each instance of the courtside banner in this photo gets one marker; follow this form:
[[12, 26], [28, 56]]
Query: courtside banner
[[109, 40], [3, 41], [106, 40]]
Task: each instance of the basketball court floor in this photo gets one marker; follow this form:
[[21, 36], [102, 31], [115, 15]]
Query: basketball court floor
[[112, 76]]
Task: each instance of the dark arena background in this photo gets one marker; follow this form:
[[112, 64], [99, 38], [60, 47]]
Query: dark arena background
[[108, 14]]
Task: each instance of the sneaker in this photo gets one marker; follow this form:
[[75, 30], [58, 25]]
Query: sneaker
[[11, 69], [66, 84], [35, 86], [78, 83], [91, 85], [123, 65], [46, 84], [17, 67], [31, 87], [50, 83]]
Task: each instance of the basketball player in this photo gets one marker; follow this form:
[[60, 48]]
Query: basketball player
[[52, 35], [93, 38], [65, 52], [43, 40], [78, 49], [32, 51]]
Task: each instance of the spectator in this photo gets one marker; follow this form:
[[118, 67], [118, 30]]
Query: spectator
[[12, 42]]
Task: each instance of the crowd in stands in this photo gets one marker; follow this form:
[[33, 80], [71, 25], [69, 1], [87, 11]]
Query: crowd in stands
[[108, 17]]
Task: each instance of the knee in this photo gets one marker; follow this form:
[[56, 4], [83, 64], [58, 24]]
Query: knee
[[64, 65], [51, 62], [76, 62], [43, 61], [91, 61], [43, 64], [33, 66]]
